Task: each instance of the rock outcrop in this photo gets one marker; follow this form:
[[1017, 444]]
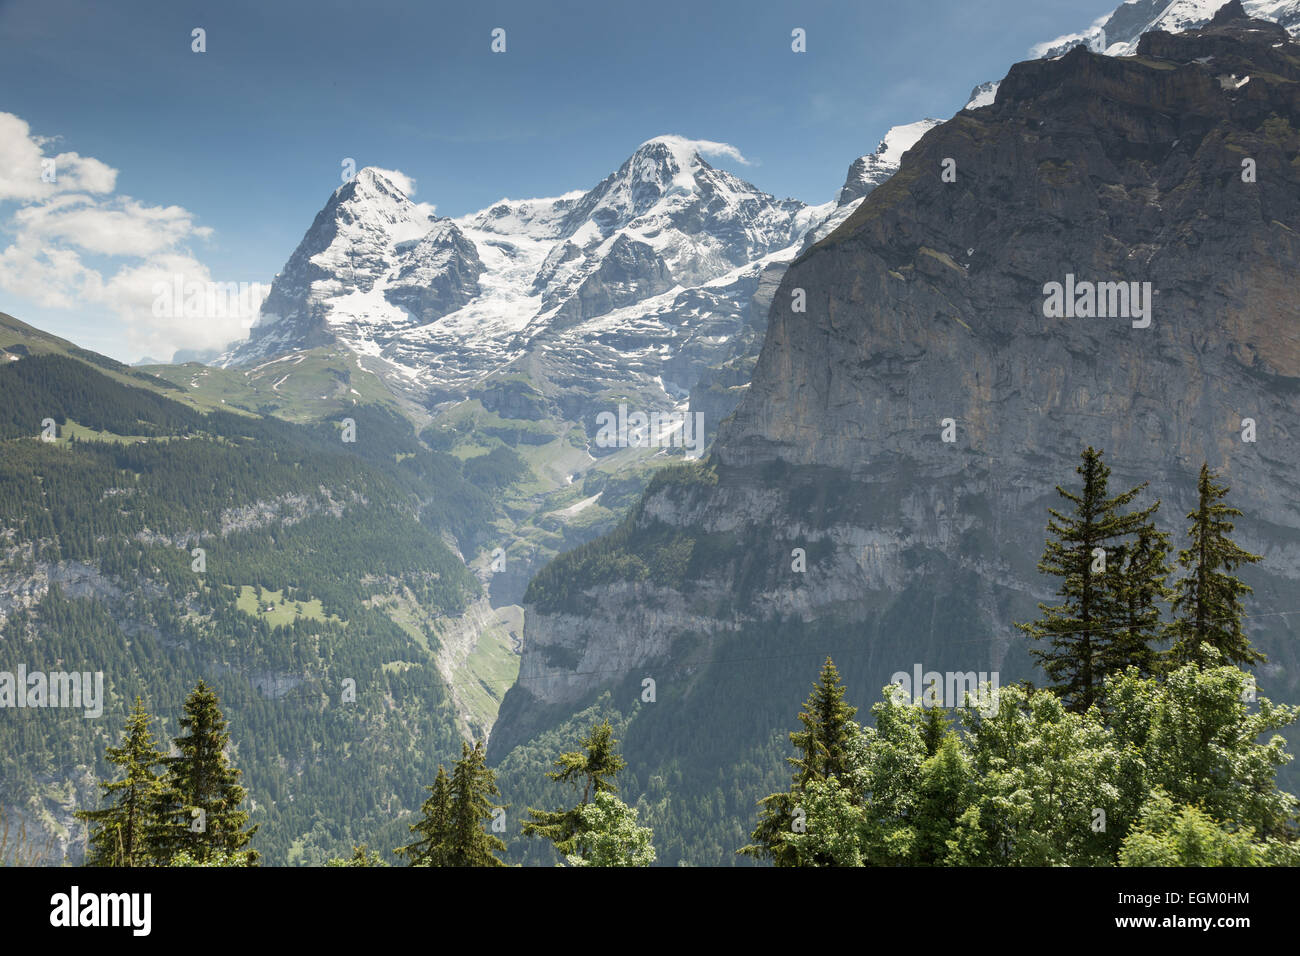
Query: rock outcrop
[[1175, 170]]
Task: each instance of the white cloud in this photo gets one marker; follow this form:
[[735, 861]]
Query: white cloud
[[120, 227], [24, 178], [709, 148], [51, 278], [146, 292], [705, 147], [74, 212]]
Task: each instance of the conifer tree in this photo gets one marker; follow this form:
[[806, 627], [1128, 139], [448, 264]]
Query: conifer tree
[[1082, 549], [944, 790], [433, 827], [472, 786], [828, 729], [1143, 589], [1207, 608], [198, 811], [593, 768], [823, 752], [119, 830]]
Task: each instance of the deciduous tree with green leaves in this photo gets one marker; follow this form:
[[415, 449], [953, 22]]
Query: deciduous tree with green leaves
[[361, 856], [1041, 771], [1205, 744], [610, 836], [1169, 835]]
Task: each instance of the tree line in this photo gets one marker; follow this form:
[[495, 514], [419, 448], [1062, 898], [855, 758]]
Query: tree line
[[183, 809], [1148, 747], [1137, 754]]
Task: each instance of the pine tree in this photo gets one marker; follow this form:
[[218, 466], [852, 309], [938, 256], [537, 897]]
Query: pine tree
[[1143, 589], [594, 767], [823, 752], [119, 830], [1082, 550], [828, 729], [472, 786], [1207, 608], [198, 811], [434, 826]]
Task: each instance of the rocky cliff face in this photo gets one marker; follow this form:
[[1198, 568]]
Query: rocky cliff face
[[1176, 169]]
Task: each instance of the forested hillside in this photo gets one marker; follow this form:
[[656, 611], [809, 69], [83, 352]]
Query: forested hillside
[[302, 540]]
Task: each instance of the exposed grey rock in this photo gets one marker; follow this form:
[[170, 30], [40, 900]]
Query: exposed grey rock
[[437, 275], [629, 272], [927, 304]]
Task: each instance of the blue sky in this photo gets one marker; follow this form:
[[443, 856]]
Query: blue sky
[[231, 152]]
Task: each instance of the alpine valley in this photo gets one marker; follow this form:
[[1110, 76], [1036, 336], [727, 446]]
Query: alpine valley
[[471, 562], [474, 359]]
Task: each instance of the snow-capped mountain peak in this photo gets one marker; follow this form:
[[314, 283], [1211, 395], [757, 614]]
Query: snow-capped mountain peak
[[871, 170], [371, 182], [624, 275], [865, 174], [1117, 33]]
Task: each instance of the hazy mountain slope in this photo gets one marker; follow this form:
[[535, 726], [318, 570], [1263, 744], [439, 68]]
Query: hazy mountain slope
[[324, 562]]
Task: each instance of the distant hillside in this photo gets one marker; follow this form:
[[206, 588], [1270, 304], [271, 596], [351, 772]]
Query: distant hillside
[[323, 562]]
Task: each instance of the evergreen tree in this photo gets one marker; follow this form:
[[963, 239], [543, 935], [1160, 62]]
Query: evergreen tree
[[198, 810], [119, 830], [823, 752], [593, 767], [1207, 608], [944, 790], [1142, 587], [434, 826], [1081, 549], [472, 786], [828, 730]]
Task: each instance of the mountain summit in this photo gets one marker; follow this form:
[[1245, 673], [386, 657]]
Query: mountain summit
[[642, 283]]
